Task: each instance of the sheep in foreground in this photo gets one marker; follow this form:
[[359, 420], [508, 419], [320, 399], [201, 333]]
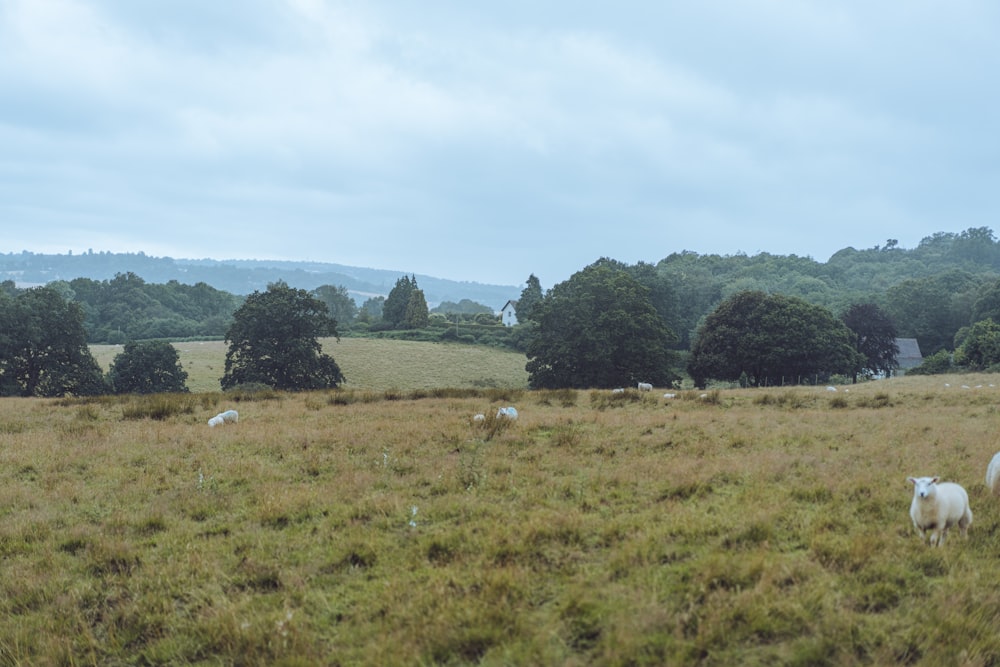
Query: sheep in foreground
[[645, 386], [937, 506], [993, 475], [227, 417]]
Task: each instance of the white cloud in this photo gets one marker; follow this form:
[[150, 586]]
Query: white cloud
[[413, 138]]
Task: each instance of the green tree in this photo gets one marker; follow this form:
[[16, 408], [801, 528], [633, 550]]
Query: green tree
[[273, 340], [771, 339], [938, 363], [599, 329], [147, 367], [342, 307], [394, 308], [463, 307], [371, 309], [661, 292], [417, 316], [987, 303], [981, 347], [530, 297], [934, 308], [874, 339], [43, 347]]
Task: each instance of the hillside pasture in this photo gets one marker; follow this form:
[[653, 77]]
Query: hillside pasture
[[369, 363], [751, 527]]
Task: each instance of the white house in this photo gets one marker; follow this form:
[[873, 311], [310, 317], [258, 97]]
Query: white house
[[508, 314]]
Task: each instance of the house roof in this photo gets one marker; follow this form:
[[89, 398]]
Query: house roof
[[510, 302], [909, 353]]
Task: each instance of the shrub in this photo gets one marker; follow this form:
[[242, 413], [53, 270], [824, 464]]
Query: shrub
[[936, 364]]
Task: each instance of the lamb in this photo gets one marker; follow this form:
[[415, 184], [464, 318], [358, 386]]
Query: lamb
[[936, 507], [993, 475], [227, 417], [645, 386]]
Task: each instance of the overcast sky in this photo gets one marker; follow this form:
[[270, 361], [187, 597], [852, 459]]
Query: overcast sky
[[486, 141]]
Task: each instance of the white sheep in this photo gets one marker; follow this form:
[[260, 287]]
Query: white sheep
[[937, 506], [508, 413], [645, 386], [479, 417], [227, 417], [993, 475], [618, 390]]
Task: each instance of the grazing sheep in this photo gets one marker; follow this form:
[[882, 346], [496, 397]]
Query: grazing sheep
[[509, 413], [645, 386], [227, 417], [936, 507], [993, 475], [669, 395], [618, 390], [479, 417]]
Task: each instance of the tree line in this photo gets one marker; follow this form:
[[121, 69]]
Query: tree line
[[756, 320]]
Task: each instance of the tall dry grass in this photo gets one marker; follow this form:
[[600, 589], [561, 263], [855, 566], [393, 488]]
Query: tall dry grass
[[747, 527]]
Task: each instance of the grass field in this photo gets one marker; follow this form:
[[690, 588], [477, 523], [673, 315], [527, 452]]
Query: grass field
[[369, 363], [750, 527]]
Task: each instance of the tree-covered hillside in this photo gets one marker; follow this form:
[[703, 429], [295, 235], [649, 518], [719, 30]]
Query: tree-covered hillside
[[239, 277], [949, 281]]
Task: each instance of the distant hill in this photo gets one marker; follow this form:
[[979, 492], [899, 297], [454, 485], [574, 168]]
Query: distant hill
[[242, 276]]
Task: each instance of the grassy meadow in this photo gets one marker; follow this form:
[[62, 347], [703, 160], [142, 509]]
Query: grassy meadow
[[368, 363], [386, 527]]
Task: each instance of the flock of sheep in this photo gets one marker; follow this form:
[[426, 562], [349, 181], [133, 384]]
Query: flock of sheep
[[936, 505]]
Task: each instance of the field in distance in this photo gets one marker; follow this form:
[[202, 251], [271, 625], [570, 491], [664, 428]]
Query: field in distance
[[731, 527], [370, 363]]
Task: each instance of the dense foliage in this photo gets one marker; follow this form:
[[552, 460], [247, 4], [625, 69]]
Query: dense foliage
[[273, 341], [463, 307], [599, 329], [342, 308], [767, 340], [128, 308], [394, 310], [43, 347], [874, 339], [530, 297], [147, 367], [980, 347]]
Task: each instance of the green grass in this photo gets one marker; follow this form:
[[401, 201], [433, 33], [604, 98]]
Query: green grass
[[369, 363], [760, 527]]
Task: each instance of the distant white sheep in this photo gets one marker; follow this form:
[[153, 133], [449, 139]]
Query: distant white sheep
[[227, 417], [937, 506], [669, 395], [645, 386], [508, 413], [831, 388], [479, 417], [993, 475], [618, 390]]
